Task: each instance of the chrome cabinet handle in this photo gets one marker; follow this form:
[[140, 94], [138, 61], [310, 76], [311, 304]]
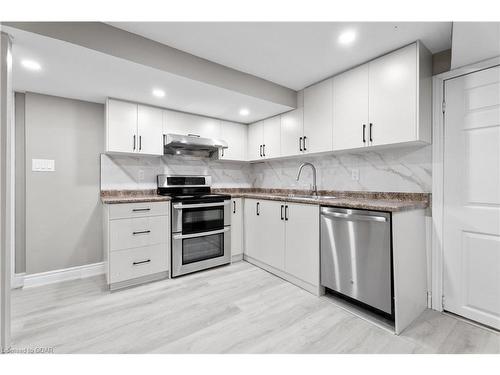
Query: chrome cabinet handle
[[339, 215], [140, 209], [141, 232], [203, 234], [305, 149], [181, 206], [141, 262], [300, 143], [371, 125], [364, 130]]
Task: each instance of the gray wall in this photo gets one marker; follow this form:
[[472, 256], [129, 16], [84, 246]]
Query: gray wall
[[63, 211], [20, 184]]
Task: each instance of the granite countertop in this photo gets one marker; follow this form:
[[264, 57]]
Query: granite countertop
[[378, 201], [131, 196]]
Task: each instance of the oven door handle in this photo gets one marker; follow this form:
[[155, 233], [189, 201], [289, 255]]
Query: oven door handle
[[203, 234], [199, 205]]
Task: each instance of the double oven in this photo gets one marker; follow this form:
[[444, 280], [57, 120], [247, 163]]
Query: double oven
[[201, 223]]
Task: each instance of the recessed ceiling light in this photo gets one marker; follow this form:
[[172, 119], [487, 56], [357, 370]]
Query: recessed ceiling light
[[158, 93], [347, 37], [244, 112], [31, 65]]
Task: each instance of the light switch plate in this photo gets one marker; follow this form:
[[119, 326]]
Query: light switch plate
[[355, 174], [43, 165]]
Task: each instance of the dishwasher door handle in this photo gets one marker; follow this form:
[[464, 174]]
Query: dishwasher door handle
[[338, 215]]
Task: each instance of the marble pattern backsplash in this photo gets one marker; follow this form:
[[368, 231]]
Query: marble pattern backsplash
[[405, 169]]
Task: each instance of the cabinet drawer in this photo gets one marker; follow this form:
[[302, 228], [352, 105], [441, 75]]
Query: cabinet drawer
[[122, 210], [133, 263], [137, 232]]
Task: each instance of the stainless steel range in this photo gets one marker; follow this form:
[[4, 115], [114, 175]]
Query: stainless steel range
[[201, 223]]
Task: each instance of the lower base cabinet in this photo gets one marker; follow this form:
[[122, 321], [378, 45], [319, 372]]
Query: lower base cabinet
[[136, 242], [283, 238], [236, 229]]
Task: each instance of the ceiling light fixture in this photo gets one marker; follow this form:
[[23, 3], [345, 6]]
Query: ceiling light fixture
[[31, 65], [347, 37], [244, 112], [158, 93]]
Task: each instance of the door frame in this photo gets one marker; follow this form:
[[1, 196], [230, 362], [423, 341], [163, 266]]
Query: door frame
[[438, 99]]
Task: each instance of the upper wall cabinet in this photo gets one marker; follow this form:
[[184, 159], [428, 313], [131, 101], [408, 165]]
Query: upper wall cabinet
[[292, 129], [255, 140], [236, 137], [386, 101], [318, 117], [133, 128], [264, 139], [187, 124]]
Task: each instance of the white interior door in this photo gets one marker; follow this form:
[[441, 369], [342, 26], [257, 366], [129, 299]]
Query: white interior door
[[471, 284]]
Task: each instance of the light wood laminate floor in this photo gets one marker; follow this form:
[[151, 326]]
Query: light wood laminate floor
[[233, 309]]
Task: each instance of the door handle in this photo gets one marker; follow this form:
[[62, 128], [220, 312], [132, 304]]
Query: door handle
[[305, 149], [140, 209], [140, 142], [371, 125], [141, 232], [234, 207], [354, 217], [300, 143], [141, 262], [282, 212], [286, 212], [257, 206], [364, 130], [202, 234]]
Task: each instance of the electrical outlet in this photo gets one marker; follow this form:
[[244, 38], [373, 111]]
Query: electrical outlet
[[355, 174], [141, 175]]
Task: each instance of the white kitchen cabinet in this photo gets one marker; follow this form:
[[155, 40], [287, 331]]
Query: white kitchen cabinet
[[255, 140], [235, 135], [393, 97], [292, 129], [318, 117], [136, 240], [283, 238], [350, 103], [133, 128], [272, 137], [236, 229], [302, 242], [188, 124], [150, 130], [121, 126], [265, 232]]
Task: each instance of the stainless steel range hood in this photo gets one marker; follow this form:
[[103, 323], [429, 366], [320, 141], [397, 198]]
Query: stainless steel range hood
[[193, 145]]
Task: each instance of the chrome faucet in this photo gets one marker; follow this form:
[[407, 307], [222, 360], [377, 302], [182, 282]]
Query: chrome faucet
[[314, 187]]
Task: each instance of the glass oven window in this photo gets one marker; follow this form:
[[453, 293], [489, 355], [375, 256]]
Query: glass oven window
[[202, 248], [195, 220]]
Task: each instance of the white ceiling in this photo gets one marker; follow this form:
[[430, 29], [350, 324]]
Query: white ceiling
[[292, 54], [79, 73]]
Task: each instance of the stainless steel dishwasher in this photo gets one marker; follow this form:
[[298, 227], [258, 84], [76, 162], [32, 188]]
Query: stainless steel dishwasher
[[356, 257]]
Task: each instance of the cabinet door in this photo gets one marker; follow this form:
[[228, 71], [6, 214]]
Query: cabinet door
[[272, 231], [393, 97], [302, 242], [318, 117], [150, 130], [236, 226], [350, 114], [206, 127], [236, 137], [292, 131], [272, 137], [252, 225], [255, 140], [121, 126]]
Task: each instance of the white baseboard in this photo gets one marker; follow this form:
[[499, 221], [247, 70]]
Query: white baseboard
[[56, 276], [18, 280]]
